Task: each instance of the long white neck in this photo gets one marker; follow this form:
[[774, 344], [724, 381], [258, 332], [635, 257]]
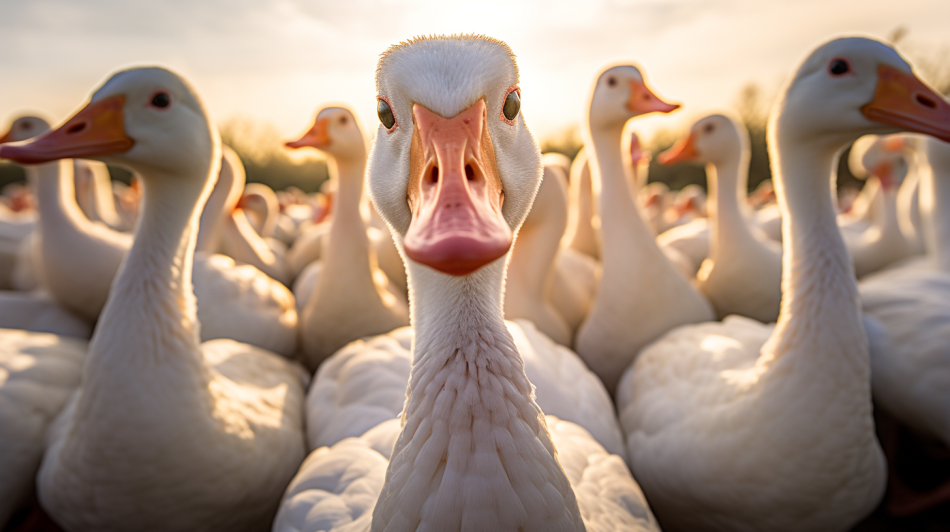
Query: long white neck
[[727, 181], [347, 247], [56, 196], [531, 270], [147, 337], [820, 317], [625, 238], [474, 444]]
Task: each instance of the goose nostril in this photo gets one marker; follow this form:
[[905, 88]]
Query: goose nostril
[[434, 176], [76, 128], [926, 102], [469, 172]]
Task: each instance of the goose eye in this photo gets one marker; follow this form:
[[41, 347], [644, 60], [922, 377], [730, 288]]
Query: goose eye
[[343, 120], [161, 100], [27, 126], [385, 114], [838, 67], [611, 81], [709, 128], [512, 105]]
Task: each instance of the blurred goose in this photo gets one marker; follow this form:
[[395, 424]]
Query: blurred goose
[[743, 274], [911, 376], [883, 243], [474, 451], [209, 433], [77, 260], [715, 412], [641, 294], [351, 298]]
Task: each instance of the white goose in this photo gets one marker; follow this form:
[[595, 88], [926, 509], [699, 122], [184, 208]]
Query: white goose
[[474, 451], [351, 297], [742, 426], [641, 294], [216, 453], [911, 377], [77, 260], [884, 242], [743, 273]]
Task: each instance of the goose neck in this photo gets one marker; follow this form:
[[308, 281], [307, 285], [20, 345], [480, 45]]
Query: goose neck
[[820, 310], [621, 224], [56, 194], [726, 181]]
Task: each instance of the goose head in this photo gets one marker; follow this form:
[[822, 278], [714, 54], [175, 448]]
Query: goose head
[[453, 169], [712, 139], [335, 132], [854, 86], [23, 128], [135, 120], [880, 156], [620, 94]]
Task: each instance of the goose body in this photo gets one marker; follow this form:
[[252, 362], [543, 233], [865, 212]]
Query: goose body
[[742, 426], [474, 450], [38, 372], [126, 453]]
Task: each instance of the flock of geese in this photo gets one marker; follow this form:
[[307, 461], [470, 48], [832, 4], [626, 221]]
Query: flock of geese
[[489, 345]]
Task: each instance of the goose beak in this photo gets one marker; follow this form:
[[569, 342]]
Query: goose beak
[[455, 193], [904, 101], [317, 137], [7, 137], [643, 101], [636, 152], [885, 172], [683, 150], [96, 130]]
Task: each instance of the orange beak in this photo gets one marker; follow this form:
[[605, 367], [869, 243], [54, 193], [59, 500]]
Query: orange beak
[[643, 101], [455, 193], [904, 101], [683, 150], [894, 143], [317, 137], [885, 172], [96, 130]]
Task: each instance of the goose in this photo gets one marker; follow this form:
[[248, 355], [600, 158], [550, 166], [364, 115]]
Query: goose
[[628, 311], [582, 226], [125, 453], [743, 273], [884, 242], [473, 450], [531, 271], [737, 425], [238, 237], [94, 193], [38, 372], [76, 261], [350, 298], [909, 377], [221, 203]]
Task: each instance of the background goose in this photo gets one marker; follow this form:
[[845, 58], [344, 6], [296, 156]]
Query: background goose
[[351, 297], [743, 273], [641, 294], [715, 412]]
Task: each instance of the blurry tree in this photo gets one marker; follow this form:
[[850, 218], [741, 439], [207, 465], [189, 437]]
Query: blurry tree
[[267, 161], [568, 142]]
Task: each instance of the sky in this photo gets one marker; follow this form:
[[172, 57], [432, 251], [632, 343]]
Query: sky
[[278, 61]]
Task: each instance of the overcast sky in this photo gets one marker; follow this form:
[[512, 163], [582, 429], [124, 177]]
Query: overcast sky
[[277, 61]]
